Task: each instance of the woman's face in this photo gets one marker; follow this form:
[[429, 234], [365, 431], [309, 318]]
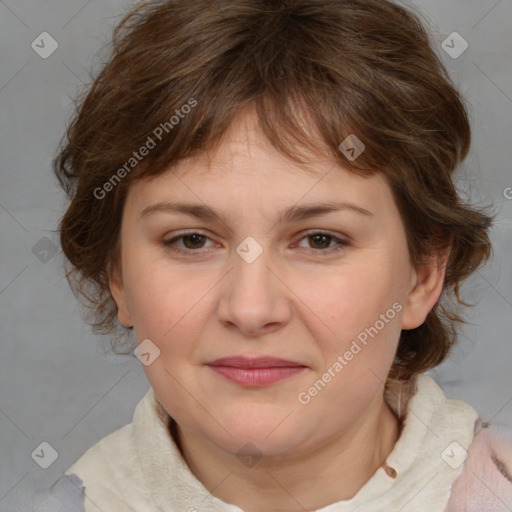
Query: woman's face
[[263, 282]]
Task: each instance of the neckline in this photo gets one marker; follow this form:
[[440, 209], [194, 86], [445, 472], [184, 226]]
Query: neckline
[[429, 420]]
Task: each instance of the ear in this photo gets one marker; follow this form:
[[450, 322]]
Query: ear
[[118, 293], [426, 287]]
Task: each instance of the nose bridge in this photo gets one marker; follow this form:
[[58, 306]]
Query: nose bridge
[[252, 265], [253, 296]]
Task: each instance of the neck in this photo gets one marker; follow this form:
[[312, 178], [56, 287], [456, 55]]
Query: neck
[[334, 472]]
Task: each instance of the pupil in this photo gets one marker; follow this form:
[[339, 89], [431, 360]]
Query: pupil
[[194, 239], [316, 238]]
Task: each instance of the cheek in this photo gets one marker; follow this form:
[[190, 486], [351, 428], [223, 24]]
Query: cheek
[[170, 307], [160, 293], [362, 310], [355, 299], [358, 343]]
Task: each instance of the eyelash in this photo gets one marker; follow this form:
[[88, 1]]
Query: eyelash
[[342, 244]]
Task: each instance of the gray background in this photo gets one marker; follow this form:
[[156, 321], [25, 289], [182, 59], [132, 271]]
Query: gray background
[[57, 382]]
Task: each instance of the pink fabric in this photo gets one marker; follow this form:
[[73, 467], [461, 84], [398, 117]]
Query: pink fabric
[[485, 484]]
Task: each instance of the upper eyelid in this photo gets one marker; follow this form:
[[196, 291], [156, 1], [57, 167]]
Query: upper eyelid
[[341, 239]]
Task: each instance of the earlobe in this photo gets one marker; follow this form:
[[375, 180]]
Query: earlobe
[[426, 289], [117, 291]]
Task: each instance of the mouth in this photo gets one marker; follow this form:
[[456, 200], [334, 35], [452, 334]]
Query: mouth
[[255, 372]]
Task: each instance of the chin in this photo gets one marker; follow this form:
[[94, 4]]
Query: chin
[[262, 440]]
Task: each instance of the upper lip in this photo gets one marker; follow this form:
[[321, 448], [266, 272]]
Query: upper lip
[[253, 362]]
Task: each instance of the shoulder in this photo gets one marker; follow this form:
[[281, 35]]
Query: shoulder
[[65, 495], [486, 479], [102, 460], [110, 471]]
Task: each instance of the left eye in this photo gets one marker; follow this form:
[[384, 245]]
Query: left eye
[[194, 237], [320, 238], [195, 240]]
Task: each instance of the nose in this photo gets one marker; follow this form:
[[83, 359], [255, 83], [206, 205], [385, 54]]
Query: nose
[[254, 296]]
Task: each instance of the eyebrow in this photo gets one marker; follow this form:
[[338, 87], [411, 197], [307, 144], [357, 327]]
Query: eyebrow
[[288, 216]]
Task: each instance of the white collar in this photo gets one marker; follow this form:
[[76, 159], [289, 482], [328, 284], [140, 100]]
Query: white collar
[[432, 423]]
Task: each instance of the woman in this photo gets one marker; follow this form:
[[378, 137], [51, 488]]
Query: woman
[[262, 195]]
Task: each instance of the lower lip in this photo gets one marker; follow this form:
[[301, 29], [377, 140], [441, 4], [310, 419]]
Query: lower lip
[[257, 377]]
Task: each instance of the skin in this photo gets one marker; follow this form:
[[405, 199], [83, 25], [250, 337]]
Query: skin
[[300, 300]]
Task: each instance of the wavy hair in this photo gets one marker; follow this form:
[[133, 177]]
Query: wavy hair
[[330, 67]]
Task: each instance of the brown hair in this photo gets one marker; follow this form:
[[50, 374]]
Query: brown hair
[[332, 67]]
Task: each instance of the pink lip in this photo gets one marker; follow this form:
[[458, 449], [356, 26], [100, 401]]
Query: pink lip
[[253, 362], [255, 372]]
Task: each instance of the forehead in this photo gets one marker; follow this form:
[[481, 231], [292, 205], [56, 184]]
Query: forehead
[[245, 141], [245, 171]]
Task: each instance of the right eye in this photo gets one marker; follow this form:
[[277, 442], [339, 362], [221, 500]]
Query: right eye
[[193, 241]]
